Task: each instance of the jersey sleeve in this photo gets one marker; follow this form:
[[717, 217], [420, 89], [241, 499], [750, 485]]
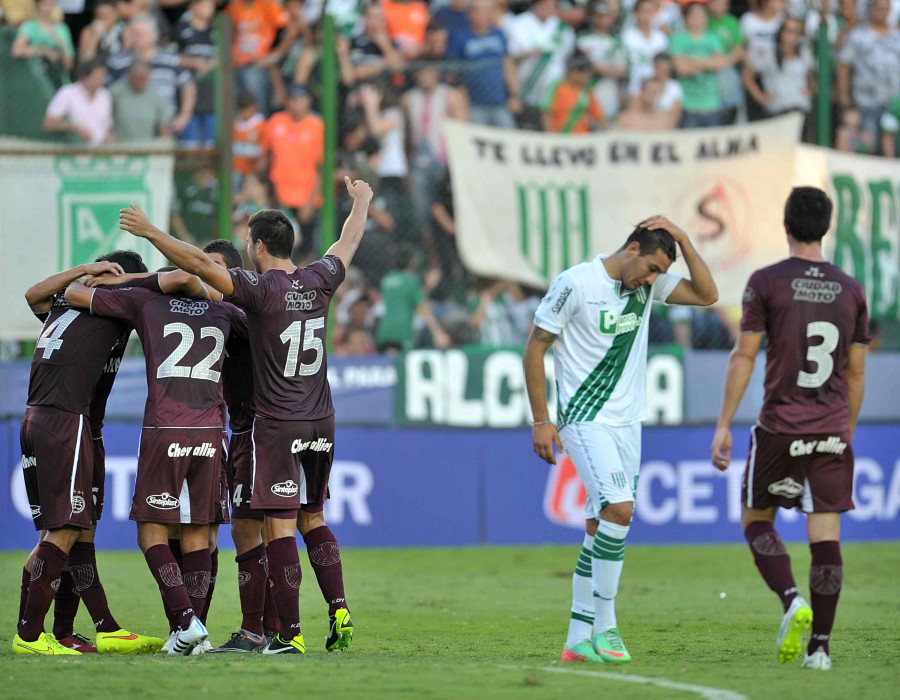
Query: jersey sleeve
[[249, 289], [557, 306], [861, 334], [119, 302], [753, 317], [150, 282], [664, 286], [330, 270], [238, 321]]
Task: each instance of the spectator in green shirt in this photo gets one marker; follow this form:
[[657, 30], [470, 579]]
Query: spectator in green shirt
[[699, 56], [727, 27], [404, 298], [44, 37]]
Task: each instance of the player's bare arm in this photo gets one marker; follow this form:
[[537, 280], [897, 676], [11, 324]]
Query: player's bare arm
[[856, 381], [700, 289], [543, 433], [40, 296], [355, 225], [737, 376], [172, 282], [189, 258], [79, 295]]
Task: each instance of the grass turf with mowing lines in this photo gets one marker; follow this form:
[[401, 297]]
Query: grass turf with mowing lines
[[487, 622]]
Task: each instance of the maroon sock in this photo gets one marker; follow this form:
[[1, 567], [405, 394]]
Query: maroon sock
[[284, 571], [48, 565], [23, 592], [252, 585], [171, 585], [65, 604], [83, 565], [325, 557], [270, 613], [826, 573], [197, 568], [772, 560], [213, 573]]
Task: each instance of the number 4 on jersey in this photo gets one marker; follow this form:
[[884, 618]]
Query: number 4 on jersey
[[51, 337]]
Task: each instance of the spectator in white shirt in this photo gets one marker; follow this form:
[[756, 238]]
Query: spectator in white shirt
[[83, 108]]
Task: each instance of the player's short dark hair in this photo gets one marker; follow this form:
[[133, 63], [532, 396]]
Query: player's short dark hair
[[128, 260], [227, 250], [273, 228], [651, 240], [807, 214]]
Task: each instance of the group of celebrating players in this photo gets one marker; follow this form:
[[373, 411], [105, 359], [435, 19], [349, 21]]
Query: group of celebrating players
[[216, 338]]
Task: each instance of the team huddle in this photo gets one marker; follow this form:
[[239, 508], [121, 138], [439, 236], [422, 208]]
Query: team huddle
[[221, 344], [225, 344]]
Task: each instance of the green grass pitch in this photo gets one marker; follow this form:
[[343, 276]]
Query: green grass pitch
[[490, 623]]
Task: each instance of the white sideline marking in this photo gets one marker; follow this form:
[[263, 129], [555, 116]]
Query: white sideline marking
[[701, 690]]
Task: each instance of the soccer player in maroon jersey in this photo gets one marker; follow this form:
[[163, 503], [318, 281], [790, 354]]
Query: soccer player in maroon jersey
[[72, 372], [293, 428], [179, 456], [815, 322]]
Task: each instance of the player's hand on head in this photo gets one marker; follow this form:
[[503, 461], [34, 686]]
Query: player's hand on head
[[721, 449], [659, 221], [104, 268], [135, 221], [359, 190]]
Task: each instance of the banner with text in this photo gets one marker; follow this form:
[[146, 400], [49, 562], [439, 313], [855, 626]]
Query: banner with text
[[58, 211], [865, 236], [529, 205], [485, 388]]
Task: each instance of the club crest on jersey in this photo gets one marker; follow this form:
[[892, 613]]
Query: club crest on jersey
[[787, 487], [163, 501], [815, 291], [286, 489], [612, 323], [191, 308], [299, 301], [77, 503]]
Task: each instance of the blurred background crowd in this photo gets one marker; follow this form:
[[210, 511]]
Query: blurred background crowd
[[245, 78]]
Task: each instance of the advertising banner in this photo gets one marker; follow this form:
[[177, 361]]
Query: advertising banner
[[557, 199], [58, 211], [442, 487]]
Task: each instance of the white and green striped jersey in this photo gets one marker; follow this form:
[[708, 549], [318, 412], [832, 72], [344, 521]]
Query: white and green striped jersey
[[600, 355]]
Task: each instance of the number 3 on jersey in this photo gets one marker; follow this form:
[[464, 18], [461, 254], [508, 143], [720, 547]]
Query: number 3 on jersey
[[820, 354], [292, 335]]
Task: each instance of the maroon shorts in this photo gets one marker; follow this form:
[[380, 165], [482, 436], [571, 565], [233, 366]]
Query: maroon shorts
[[811, 472], [98, 489], [58, 465], [222, 514], [291, 463], [178, 476], [240, 476]]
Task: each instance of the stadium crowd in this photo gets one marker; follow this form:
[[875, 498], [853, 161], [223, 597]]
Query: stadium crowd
[[131, 70]]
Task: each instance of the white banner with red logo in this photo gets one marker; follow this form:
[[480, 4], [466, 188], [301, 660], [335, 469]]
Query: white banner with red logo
[[528, 205]]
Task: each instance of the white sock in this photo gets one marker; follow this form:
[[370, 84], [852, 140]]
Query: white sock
[[606, 569], [581, 621]]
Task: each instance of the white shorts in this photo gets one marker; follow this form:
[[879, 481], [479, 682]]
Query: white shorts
[[607, 458]]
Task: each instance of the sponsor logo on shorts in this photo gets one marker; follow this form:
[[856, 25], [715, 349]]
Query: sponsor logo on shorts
[[329, 265], [832, 445], [286, 489], [77, 503], [35, 512], [787, 487], [816, 291], [320, 445], [191, 308], [299, 301], [163, 501], [204, 450], [28, 462], [561, 300], [251, 276]]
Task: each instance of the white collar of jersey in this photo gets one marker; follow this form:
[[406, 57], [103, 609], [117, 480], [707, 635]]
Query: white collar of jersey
[[615, 284]]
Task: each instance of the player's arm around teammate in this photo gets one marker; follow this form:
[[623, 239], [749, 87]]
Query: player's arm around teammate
[[40, 295]]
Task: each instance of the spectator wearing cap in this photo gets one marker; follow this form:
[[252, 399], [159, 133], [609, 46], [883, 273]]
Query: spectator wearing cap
[[139, 111], [541, 43], [489, 72], [197, 51], [699, 55], [83, 108], [167, 76], [641, 43], [294, 145], [46, 37], [602, 44], [569, 106]]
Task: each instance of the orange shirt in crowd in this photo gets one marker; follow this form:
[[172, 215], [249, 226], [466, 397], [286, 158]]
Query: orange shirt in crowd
[[406, 23], [297, 149], [247, 139], [256, 22], [560, 103]]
